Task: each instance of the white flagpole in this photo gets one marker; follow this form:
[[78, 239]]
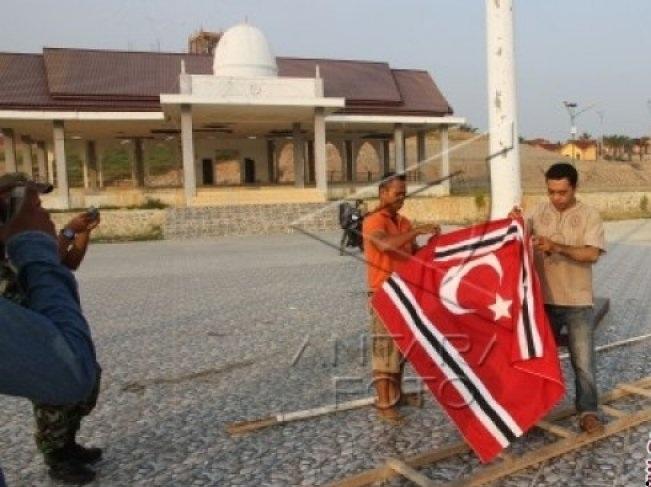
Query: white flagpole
[[506, 190]]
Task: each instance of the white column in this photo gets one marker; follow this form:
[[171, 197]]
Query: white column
[[502, 109], [299, 156], [60, 160], [320, 166], [189, 173], [41, 161], [399, 147], [347, 161], [50, 166], [421, 154], [28, 163], [10, 150], [386, 157], [84, 164], [445, 158], [100, 165], [354, 152]]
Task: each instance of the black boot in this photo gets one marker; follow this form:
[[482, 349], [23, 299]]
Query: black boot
[[83, 454], [68, 470]]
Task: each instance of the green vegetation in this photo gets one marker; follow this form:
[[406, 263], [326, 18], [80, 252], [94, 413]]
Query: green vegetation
[[160, 159], [149, 204]]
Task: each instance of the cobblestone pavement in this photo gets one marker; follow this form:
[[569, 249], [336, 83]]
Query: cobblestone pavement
[[193, 335]]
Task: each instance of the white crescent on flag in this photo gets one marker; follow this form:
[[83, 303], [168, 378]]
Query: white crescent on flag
[[452, 279]]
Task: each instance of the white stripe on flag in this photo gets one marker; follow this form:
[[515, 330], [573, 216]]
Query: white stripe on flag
[[534, 325]]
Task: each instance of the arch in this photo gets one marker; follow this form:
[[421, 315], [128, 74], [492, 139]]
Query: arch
[[227, 170], [368, 163], [285, 158], [334, 163]]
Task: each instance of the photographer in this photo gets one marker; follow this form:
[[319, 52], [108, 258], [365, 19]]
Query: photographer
[[57, 425], [46, 350]]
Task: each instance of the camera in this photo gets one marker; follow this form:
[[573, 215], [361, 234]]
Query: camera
[[93, 213], [11, 204]]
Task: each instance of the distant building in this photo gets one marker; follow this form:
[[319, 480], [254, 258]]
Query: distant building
[[203, 42], [642, 148], [583, 150], [219, 118], [544, 144]]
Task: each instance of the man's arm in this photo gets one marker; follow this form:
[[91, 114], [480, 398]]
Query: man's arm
[[76, 252], [73, 251], [46, 351], [393, 243], [584, 253]]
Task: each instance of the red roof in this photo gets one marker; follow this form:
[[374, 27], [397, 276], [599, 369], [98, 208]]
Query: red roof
[[583, 144], [550, 147], [87, 79]]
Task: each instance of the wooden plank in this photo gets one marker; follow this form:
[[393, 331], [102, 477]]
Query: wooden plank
[[636, 390], [552, 428], [412, 398], [427, 458], [409, 473], [385, 473], [611, 411], [495, 472]]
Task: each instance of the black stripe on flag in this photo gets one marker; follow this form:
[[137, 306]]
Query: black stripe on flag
[[449, 361], [525, 310], [476, 245]]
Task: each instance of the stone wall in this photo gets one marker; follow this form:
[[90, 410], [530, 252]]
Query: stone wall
[[122, 224], [250, 220]]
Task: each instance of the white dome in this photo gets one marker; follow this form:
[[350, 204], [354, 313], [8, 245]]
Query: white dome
[[243, 51]]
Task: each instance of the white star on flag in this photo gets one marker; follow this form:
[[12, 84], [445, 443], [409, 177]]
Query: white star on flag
[[501, 307]]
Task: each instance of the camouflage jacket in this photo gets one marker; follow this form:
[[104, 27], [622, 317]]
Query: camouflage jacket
[[9, 285]]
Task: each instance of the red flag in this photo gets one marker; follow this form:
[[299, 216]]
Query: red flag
[[467, 312]]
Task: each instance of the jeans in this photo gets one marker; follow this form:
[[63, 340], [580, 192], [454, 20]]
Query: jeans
[[578, 320]]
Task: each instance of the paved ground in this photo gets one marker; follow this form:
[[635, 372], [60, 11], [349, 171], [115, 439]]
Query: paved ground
[[194, 335]]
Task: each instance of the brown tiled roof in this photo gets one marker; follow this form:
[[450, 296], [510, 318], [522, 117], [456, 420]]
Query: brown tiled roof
[[420, 96], [92, 73], [86, 79], [357, 81], [22, 80]]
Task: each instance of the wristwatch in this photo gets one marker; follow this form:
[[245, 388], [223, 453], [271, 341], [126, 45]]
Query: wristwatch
[[68, 233]]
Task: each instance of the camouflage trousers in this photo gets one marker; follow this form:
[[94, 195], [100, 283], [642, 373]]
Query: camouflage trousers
[[57, 426]]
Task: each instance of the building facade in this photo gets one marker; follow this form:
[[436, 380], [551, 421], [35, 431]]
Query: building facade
[[228, 123]]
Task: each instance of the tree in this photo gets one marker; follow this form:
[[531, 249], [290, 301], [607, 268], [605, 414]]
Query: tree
[[466, 127], [585, 136]]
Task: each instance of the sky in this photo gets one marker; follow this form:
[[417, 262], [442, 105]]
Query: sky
[[584, 51]]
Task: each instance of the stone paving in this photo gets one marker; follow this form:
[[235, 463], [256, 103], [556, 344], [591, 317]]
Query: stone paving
[[195, 334]]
